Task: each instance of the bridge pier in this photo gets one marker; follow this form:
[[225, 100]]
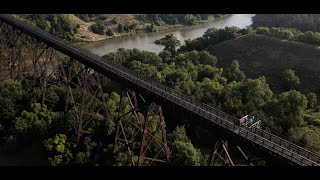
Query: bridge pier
[[138, 128]]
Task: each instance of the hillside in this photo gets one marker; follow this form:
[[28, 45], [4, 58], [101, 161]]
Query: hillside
[[84, 32], [262, 55], [302, 22]]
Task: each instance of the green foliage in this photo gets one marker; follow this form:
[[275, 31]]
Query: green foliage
[[288, 109], [182, 152], [177, 77], [208, 91], [12, 98], [268, 122], [85, 156], [115, 20], [68, 122], [281, 33], [98, 28], [211, 37], [290, 34], [246, 97], [233, 73], [310, 37], [209, 72], [144, 69], [120, 28], [312, 117], [151, 28], [308, 135], [36, 122], [170, 43], [187, 19], [290, 80], [312, 100], [125, 159], [123, 56], [190, 19], [109, 32], [58, 24], [178, 134], [196, 58], [214, 36], [59, 149], [166, 56], [302, 22], [263, 31]]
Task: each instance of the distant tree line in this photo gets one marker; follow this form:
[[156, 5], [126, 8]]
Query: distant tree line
[[214, 36], [171, 19], [302, 22]]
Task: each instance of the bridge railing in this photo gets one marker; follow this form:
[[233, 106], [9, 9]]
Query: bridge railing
[[220, 117], [259, 136]]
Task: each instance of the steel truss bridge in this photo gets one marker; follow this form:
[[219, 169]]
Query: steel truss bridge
[[84, 65]]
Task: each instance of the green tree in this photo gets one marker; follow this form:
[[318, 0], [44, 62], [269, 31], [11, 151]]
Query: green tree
[[308, 135], [98, 28], [189, 19], [58, 24], [302, 22], [208, 91], [36, 122], [182, 152], [170, 42], [179, 134], [166, 56], [109, 32], [177, 77], [59, 149], [151, 28], [209, 72], [246, 97], [233, 73], [120, 28], [86, 155], [288, 109], [11, 104], [310, 37], [263, 31], [207, 59], [290, 80], [312, 100]]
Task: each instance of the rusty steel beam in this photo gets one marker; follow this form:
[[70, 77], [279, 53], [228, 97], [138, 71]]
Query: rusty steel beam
[[48, 68], [142, 136]]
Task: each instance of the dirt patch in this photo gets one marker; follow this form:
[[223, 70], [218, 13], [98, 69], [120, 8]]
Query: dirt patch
[[84, 32]]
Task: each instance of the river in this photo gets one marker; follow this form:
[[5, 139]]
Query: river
[[146, 41]]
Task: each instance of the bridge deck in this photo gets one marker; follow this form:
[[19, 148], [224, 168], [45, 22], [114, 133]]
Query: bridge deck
[[272, 143]]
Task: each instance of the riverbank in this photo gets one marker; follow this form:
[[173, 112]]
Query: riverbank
[[145, 41], [162, 29]]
